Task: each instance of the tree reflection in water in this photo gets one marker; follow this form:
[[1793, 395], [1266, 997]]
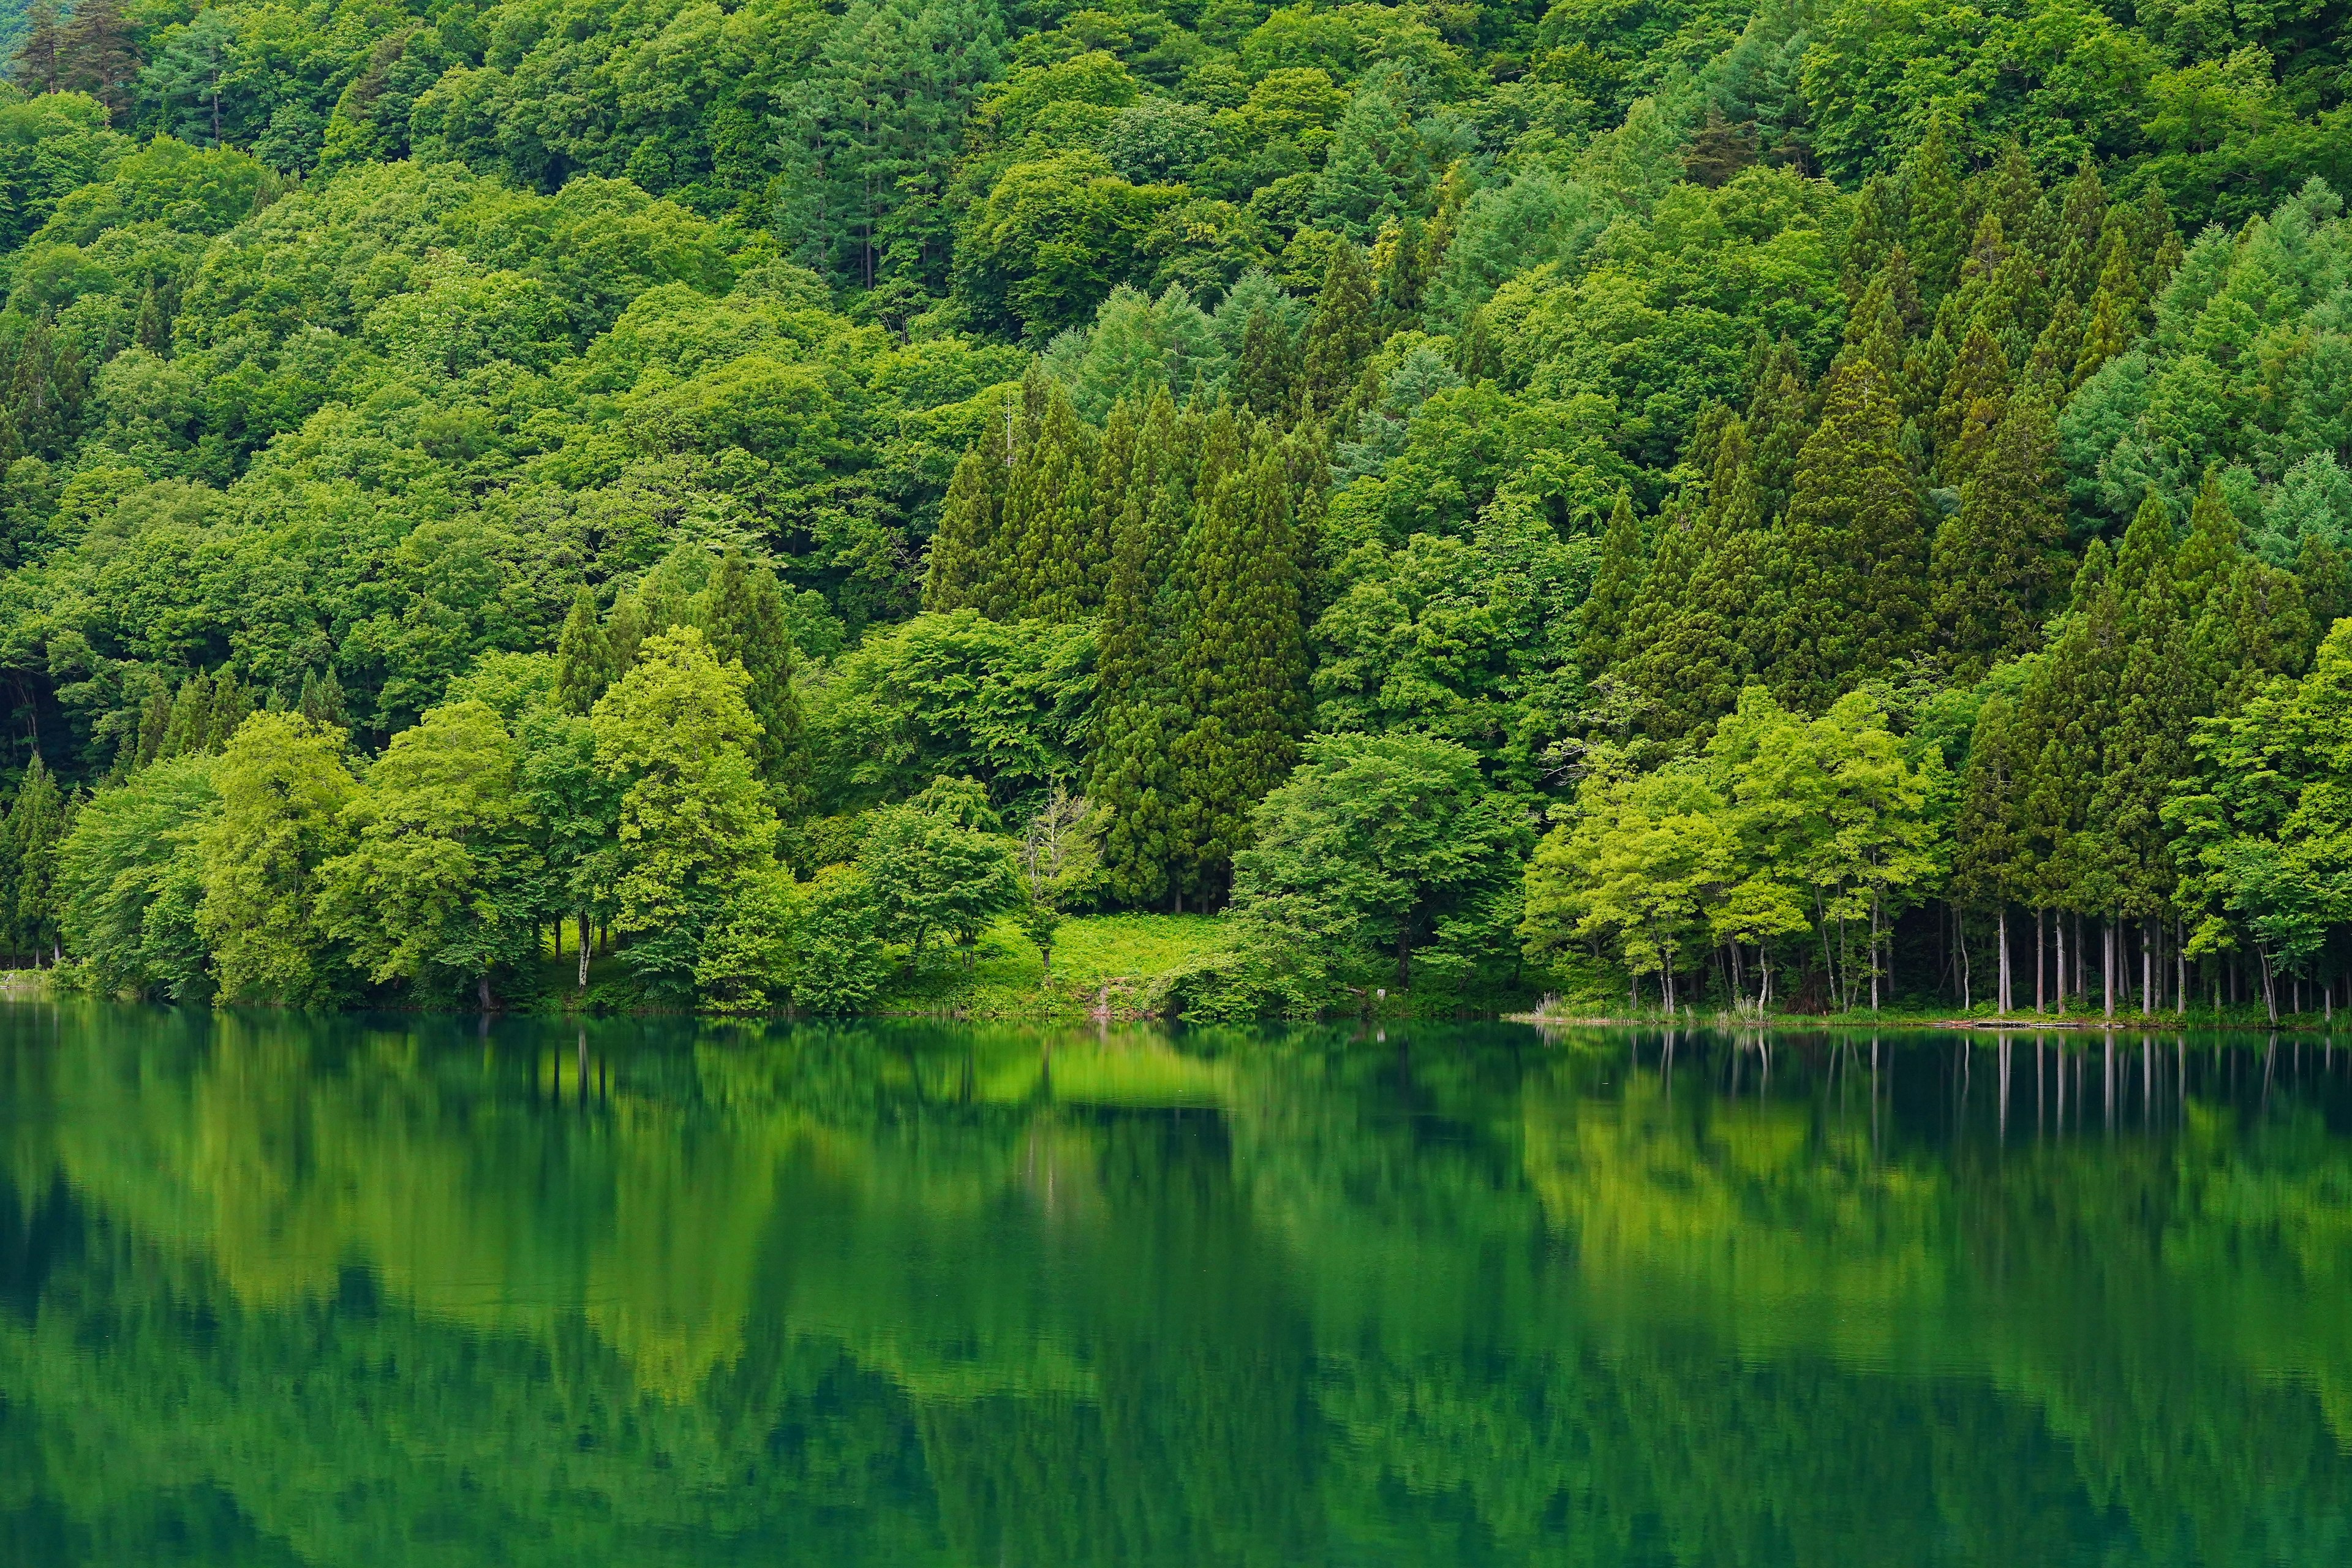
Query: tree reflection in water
[[275, 1288]]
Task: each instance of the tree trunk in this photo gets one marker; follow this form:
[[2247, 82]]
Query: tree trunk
[[2107, 972], [583, 950], [482, 989], [2002, 1005], [2041, 943]]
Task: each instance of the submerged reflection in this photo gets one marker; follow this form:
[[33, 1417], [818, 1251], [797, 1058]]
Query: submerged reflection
[[353, 1292]]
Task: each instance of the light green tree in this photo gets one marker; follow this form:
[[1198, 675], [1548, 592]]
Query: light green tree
[[696, 831], [283, 785], [442, 885]]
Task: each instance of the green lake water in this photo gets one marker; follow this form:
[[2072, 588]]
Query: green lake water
[[279, 1289]]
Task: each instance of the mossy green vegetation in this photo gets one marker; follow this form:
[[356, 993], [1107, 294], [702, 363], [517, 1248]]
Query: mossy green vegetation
[[784, 489]]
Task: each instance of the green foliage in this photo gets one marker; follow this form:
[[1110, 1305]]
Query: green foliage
[[129, 877], [283, 783], [1096, 406], [697, 835], [443, 885], [1381, 857]]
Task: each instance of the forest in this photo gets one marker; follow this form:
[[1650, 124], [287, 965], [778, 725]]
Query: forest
[[1808, 506]]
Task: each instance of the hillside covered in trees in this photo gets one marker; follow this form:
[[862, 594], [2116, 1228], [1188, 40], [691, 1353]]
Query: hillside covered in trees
[[1790, 505]]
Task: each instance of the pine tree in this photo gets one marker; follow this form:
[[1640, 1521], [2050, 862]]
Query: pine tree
[[1989, 563], [40, 59], [45, 394], [321, 699], [1970, 408], [1780, 416], [1936, 235], [585, 662], [1133, 785], [2082, 218], [1243, 663], [97, 54], [154, 330], [1693, 672], [37, 821], [1344, 331], [964, 548], [1617, 584], [155, 724], [744, 619], [1853, 560], [1876, 231], [191, 713], [2050, 369], [1265, 382], [624, 629], [1049, 554], [232, 705]]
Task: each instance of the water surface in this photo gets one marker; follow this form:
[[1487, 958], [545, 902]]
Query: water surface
[[348, 1291]]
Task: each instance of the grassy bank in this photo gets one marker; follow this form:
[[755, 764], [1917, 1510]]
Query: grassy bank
[[1121, 964]]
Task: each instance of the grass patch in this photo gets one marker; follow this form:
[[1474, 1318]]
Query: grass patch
[[1121, 962]]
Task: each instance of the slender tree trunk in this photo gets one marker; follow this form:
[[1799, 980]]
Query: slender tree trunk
[[2147, 968], [2002, 1005], [2107, 971], [2059, 926], [2040, 944], [583, 950]]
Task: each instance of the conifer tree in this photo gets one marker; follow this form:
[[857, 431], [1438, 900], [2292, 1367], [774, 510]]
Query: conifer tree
[[1780, 416], [1140, 712], [37, 821], [1936, 235], [1046, 551], [1344, 330], [1243, 663], [232, 705], [154, 328], [584, 661], [625, 630], [39, 60], [1617, 584], [1265, 382], [2050, 368], [191, 713], [321, 699], [1990, 561], [97, 54], [1877, 230], [1853, 560], [1975, 394], [1703, 655], [743, 617], [962, 547], [2081, 217]]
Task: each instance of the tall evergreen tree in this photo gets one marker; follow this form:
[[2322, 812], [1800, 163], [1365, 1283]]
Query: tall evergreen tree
[[38, 819], [1975, 394], [1617, 585], [1705, 653], [1140, 711], [1344, 330], [743, 617], [584, 661], [1990, 561], [1937, 232], [39, 61], [1243, 662], [1852, 565], [964, 554], [1047, 549]]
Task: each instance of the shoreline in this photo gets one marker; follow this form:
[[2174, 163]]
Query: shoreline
[[2136, 1023]]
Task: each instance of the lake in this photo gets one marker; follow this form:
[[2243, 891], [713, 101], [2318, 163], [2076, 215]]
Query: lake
[[284, 1289]]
